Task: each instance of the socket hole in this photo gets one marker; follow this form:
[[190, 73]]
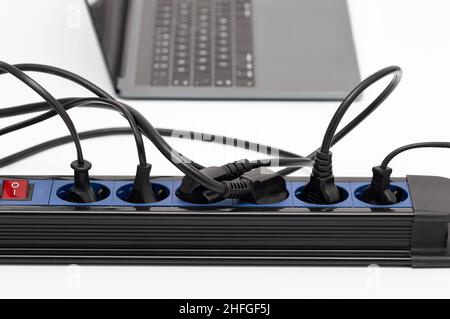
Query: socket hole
[[399, 192], [343, 196], [161, 192], [101, 191]]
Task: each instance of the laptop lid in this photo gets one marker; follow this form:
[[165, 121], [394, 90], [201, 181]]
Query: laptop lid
[[109, 18], [303, 49]]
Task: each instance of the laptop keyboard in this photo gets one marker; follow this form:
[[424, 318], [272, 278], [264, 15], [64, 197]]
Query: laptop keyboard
[[203, 43]]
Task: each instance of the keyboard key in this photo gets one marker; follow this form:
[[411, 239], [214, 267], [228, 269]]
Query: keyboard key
[[203, 43]]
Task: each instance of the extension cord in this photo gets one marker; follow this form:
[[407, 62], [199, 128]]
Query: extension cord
[[43, 228], [89, 221]]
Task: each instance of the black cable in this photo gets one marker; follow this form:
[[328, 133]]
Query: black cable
[[331, 138], [36, 107], [54, 103], [91, 102], [98, 102], [354, 94], [405, 148], [204, 137], [341, 134], [29, 108], [33, 108], [181, 162], [322, 187], [230, 141], [381, 191], [36, 149], [39, 148], [284, 162], [184, 164]]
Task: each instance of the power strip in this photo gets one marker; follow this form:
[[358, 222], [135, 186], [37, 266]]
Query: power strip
[[38, 226]]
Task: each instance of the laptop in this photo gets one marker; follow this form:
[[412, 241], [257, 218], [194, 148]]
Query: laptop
[[227, 49]]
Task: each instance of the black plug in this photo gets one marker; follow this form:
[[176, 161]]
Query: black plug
[[380, 192], [321, 188], [142, 191], [192, 192], [82, 191], [262, 186]]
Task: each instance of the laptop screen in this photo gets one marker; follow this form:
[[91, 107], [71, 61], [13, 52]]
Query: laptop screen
[[109, 21]]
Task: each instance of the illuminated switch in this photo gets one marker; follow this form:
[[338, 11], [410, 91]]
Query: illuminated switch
[[15, 190]]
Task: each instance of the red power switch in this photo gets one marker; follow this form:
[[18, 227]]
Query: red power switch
[[15, 190]]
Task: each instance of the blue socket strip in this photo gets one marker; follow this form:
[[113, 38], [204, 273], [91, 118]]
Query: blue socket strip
[[50, 193]]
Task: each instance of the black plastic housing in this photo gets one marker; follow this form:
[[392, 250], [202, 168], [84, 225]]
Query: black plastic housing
[[414, 236]]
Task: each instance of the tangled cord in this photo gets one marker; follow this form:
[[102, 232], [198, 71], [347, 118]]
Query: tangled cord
[[183, 163]]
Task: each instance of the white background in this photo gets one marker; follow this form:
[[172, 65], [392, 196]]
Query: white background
[[409, 33]]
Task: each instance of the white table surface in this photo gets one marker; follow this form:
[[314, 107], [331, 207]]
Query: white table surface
[[409, 33]]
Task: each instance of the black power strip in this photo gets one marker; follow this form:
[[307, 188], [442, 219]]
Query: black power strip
[[234, 214], [46, 229]]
